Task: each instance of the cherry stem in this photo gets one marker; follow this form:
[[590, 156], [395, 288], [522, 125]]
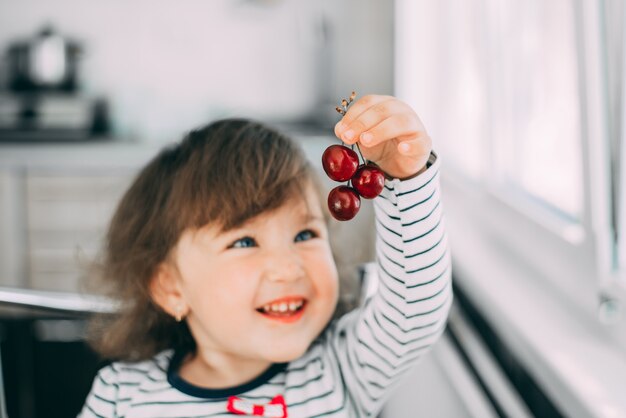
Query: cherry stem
[[359, 151], [345, 103], [344, 109]]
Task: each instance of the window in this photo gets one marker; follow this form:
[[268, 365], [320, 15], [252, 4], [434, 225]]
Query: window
[[524, 102], [536, 111], [446, 78]]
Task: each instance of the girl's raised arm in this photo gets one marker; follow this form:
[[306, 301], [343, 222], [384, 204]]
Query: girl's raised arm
[[376, 345]]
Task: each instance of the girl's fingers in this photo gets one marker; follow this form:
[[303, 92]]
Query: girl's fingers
[[409, 157], [416, 147], [350, 127], [389, 132], [400, 126]]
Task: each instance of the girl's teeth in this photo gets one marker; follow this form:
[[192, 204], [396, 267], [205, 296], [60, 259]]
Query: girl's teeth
[[283, 307]]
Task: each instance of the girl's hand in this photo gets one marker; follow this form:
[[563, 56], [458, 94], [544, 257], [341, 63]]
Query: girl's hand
[[389, 133]]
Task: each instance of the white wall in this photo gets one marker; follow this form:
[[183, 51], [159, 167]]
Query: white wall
[[168, 65]]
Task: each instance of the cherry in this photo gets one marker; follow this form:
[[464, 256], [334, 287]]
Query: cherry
[[368, 181], [339, 162], [344, 203]]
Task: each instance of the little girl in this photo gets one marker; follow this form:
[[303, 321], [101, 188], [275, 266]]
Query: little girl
[[219, 254]]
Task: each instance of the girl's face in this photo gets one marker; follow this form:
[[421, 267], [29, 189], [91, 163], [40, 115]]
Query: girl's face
[[262, 291]]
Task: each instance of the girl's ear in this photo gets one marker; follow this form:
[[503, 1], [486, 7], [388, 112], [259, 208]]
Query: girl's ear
[[165, 291]]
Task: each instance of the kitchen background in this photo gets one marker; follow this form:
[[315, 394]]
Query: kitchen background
[[175, 65], [523, 100]]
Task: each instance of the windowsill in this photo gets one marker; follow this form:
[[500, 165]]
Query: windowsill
[[570, 356]]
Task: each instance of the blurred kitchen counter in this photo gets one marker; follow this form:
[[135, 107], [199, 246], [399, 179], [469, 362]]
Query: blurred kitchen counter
[[86, 154], [112, 153]]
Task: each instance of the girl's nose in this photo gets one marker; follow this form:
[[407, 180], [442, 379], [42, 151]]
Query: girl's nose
[[284, 267]]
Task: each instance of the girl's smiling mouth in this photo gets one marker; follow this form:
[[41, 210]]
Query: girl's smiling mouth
[[287, 309]]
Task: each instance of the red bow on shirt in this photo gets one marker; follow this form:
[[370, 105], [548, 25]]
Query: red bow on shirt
[[276, 408]]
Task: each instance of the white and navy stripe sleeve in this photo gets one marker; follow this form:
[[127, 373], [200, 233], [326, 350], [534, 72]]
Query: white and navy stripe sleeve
[[408, 313]]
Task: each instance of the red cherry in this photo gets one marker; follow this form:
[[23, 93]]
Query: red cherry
[[369, 181], [339, 162], [344, 203]]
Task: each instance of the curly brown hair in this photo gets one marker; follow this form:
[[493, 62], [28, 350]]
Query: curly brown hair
[[226, 172]]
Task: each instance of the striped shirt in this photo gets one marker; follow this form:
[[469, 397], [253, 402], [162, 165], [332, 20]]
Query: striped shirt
[[351, 369]]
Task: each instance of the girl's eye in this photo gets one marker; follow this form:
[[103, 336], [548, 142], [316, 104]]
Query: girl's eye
[[245, 242], [305, 235]]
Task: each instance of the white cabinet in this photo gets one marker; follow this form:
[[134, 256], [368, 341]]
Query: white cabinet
[[12, 228], [55, 203], [67, 215]]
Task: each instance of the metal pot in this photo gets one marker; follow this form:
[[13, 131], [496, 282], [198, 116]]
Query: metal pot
[[47, 62]]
